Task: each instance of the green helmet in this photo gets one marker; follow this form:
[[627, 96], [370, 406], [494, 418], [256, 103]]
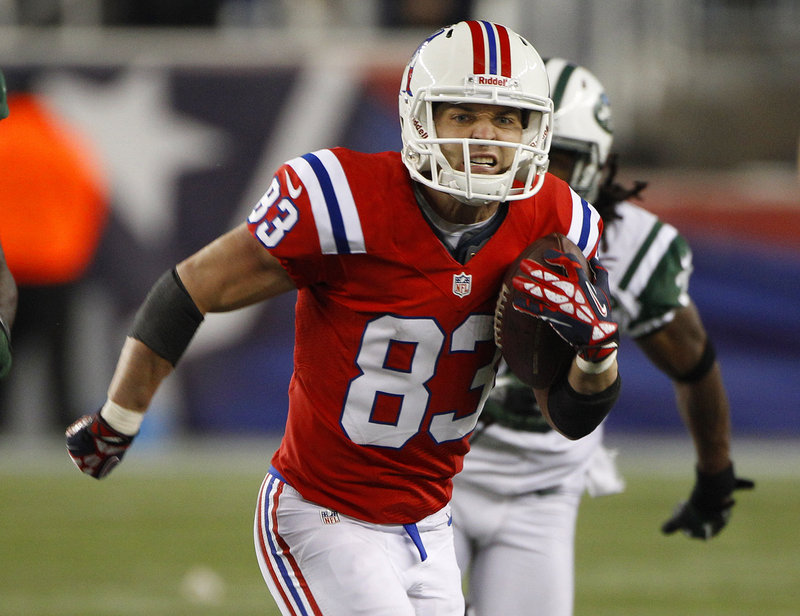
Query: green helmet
[[581, 123], [3, 101]]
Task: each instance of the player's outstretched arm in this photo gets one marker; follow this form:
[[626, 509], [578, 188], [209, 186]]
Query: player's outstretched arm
[[231, 272], [683, 351]]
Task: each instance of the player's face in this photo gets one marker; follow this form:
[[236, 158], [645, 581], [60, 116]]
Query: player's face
[[479, 121]]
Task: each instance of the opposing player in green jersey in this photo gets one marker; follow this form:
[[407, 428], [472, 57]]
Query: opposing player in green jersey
[[516, 501], [8, 288]]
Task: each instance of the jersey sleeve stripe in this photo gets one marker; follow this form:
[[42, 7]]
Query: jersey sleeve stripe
[[332, 204], [322, 220], [647, 257], [584, 228], [335, 225], [347, 205]]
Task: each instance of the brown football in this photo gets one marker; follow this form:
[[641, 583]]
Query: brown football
[[534, 352]]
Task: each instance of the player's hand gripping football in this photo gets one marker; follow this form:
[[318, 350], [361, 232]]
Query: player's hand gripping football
[[709, 507], [578, 309], [94, 446]]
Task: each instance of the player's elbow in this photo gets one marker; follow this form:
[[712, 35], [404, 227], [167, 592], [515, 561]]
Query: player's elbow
[[576, 415]]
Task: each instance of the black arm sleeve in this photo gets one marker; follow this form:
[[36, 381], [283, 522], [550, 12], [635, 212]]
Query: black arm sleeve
[[574, 414], [168, 318]]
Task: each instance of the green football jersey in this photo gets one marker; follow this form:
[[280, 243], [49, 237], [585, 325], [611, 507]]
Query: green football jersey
[[649, 264]]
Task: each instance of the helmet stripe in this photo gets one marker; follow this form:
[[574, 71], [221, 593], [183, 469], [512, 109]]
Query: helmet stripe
[[490, 40], [478, 50], [492, 47], [505, 51], [561, 85]]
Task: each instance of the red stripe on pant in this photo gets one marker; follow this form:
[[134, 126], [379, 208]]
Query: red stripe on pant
[[280, 556]]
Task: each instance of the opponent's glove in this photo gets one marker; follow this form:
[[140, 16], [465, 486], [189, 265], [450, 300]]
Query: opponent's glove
[[94, 446], [709, 507], [578, 309]]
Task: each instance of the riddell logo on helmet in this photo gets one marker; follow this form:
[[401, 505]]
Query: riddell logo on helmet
[[420, 131], [492, 80]]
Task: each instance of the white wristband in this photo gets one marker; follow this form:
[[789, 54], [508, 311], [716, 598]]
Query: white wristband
[[590, 367], [121, 419]]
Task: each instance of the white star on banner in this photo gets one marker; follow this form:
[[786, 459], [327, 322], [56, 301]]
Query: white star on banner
[[143, 143]]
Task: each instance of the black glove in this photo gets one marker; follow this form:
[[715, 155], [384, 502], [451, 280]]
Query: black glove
[[94, 446], [709, 507]]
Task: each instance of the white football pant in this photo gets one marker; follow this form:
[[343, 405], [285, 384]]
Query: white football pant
[[518, 551], [318, 562]]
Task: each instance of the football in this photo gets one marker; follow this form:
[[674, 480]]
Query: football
[[533, 350]]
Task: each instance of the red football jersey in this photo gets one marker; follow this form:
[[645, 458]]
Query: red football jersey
[[394, 350]]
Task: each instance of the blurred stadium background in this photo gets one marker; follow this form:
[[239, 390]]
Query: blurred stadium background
[[173, 116]]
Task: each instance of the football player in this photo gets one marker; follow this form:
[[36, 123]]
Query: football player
[[397, 259], [516, 501], [8, 288]]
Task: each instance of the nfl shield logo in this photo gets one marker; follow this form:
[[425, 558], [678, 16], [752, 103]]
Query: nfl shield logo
[[329, 517], [462, 284]]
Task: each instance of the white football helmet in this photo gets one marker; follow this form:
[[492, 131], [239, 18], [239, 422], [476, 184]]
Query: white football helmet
[[581, 123], [476, 62]]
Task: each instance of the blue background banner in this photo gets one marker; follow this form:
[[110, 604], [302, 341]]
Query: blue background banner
[[188, 149]]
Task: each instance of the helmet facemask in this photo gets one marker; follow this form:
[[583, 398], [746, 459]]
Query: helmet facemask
[[585, 169]]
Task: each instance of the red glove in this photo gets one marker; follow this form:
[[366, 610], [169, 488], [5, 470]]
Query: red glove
[[94, 446], [578, 309]]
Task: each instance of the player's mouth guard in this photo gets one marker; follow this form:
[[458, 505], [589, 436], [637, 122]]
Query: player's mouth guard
[[413, 532]]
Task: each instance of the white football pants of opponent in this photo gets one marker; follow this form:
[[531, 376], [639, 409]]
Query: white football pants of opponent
[[525, 541]]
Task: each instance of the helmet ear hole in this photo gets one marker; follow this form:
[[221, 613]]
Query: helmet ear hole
[[476, 62]]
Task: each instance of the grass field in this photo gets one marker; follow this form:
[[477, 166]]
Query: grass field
[[172, 535]]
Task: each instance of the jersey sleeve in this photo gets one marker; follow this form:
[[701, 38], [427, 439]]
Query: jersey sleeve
[[559, 208], [586, 225], [666, 290], [649, 264], [307, 213]]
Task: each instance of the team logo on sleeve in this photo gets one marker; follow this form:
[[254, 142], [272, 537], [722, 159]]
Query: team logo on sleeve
[[462, 284]]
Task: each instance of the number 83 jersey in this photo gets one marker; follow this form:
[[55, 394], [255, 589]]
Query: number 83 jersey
[[394, 352]]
